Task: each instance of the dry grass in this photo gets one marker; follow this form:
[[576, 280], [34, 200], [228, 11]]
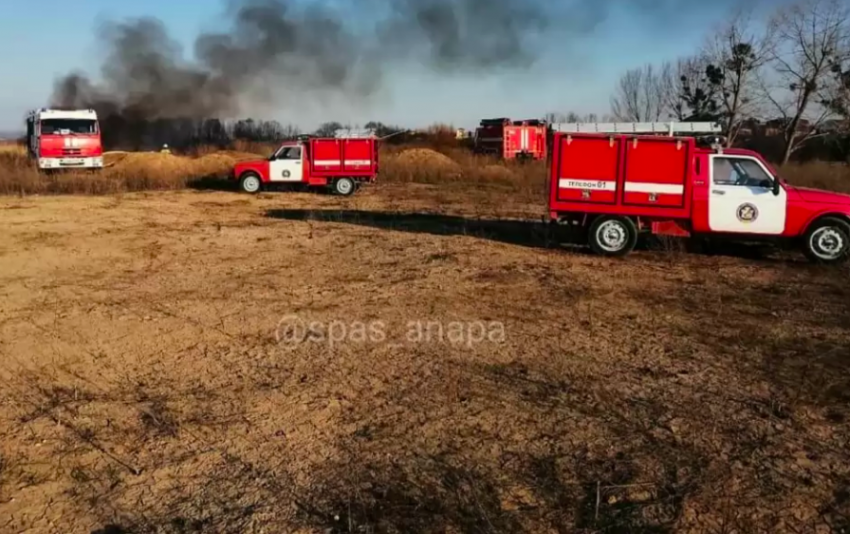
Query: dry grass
[[461, 169], [820, 175], [439, 162], [143, 390], [123, 172]]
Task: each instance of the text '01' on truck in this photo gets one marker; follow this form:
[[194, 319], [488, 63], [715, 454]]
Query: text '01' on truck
[[64, 139], [342, 164], [615, 181]]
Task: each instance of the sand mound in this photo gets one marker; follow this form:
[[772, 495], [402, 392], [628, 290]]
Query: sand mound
[[424, 157], [168, 164]]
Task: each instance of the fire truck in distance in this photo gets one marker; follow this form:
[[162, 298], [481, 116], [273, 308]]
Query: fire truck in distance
[[64, 139], [509, 139], [613, 182], [341, 163]]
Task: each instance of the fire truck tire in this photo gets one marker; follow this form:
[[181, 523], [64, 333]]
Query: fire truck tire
[[827, 241], [250, 183], [612, 236], [344, 187]]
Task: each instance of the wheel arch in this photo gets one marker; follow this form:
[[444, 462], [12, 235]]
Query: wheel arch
[[250, 172], [840, 215]]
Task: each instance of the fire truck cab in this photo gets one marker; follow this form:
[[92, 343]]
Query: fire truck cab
[[64, 139], [616, 181], [341, 163]]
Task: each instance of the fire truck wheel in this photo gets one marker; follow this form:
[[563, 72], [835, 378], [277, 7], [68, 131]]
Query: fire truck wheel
[[250, 183], [828, 241], [344, 187], [612, 236]]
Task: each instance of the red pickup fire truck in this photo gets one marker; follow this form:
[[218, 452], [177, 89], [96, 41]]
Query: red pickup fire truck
[[509, 139], [615, 181], [341, 163], [64, 139]]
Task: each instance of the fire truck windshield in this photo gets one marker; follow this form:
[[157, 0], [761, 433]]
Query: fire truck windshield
[[68, 126]]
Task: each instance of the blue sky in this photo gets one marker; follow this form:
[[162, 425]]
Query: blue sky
[[53, 37]]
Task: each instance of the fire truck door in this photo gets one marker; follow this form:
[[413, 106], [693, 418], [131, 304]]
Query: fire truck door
[[741, 197], [287, 165]]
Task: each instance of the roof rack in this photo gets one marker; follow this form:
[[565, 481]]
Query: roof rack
[[669, 128], [353, 133], [494, 122], [529, 122]]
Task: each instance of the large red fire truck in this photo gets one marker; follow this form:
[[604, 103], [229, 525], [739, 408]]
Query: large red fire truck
[[509, 139], [615, 181], [341, 163], [64, 139]]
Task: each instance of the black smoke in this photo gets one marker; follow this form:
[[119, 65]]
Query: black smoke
[[285, 51], [274, 50]]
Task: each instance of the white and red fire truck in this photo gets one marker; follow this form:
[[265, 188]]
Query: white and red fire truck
[[512, 139], [64, 139], [341, 163], [615, 181]]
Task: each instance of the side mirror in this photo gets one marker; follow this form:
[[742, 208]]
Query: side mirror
[[773, 185], [777, 187]]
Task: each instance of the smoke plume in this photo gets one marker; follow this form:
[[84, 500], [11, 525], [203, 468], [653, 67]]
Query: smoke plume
[[276, 49]]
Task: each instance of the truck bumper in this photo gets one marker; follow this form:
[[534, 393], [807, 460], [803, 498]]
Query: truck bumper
[[71, 163]]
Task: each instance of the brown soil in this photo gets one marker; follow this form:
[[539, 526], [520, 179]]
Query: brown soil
[[143, 387]]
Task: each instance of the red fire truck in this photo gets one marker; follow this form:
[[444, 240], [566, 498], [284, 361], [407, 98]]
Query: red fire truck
[[64, 139], [615, 181], [342, 163], [526, 139]]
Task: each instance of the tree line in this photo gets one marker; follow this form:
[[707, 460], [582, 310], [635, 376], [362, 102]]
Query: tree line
[[130, 133], [787, 73]]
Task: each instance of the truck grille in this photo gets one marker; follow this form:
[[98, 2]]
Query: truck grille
[[71, 151]]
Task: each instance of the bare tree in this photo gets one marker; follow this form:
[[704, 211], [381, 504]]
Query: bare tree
[[735, 58], [837, 95], [692, 90], [328, 129], [640, 95], [572, 116], [837, 89], [810, 38]]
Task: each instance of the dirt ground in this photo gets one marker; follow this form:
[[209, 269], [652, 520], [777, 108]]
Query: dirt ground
[[455, 371]]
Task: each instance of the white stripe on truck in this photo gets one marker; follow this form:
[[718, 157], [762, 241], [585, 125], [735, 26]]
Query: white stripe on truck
[[329, 162], [663, 189], [631, 187]]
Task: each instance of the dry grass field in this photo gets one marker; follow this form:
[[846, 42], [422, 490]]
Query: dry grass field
[[129, 172], [147, 383]]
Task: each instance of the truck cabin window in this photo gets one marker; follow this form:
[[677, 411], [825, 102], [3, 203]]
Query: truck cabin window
[[743, 172], [68, 127], [289, 152]]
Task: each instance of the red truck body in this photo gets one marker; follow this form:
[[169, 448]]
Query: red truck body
[[64, 139], [512, 139], [339, 163], [624, 184]]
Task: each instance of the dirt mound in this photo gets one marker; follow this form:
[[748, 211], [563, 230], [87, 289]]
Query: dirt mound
[[424, 157]]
